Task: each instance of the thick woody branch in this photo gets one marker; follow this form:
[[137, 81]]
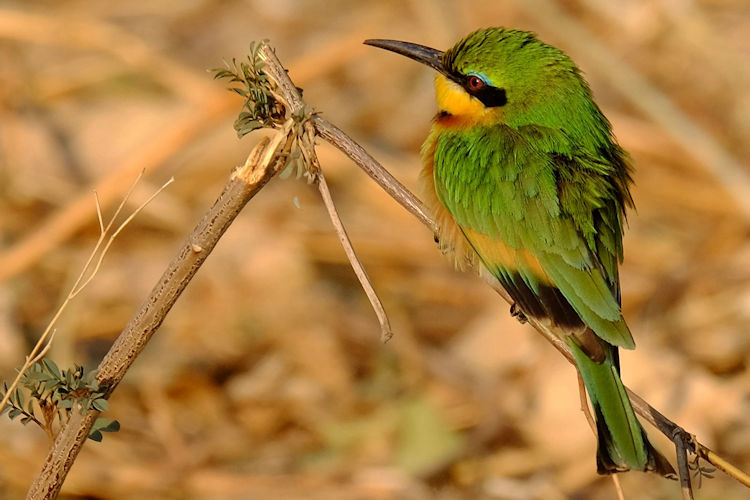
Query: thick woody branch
[[263, 162]]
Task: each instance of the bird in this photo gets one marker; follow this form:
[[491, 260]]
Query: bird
[[523, 175]]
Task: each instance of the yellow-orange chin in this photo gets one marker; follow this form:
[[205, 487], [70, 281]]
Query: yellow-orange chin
[[458, 108]]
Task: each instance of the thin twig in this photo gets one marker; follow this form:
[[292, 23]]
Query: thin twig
[[119, 229], [287, 92], [585, 403], [680, 444], [99, 211], [277, 73], [44, 343], [375, 170], [149, 155], [385, 328], [711, 457], [618, 486], [82, 281]]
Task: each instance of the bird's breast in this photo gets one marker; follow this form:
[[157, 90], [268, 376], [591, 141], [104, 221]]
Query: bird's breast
[[449, 234]]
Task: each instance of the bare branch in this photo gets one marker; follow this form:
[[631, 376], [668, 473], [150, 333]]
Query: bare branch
[[680, 444], [711, 457], [99, 212], [263, 162], [287, 92], [364, 279], [375, 170], [117, 231]]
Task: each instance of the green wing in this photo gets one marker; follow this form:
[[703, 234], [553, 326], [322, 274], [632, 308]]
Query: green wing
[[555, 208]]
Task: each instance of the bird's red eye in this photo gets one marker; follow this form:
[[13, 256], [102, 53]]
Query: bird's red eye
[[474, 83]]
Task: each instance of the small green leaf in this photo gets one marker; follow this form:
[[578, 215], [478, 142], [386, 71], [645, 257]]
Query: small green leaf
[[107, 425], [52, 368], [103, 425], [100, 404]]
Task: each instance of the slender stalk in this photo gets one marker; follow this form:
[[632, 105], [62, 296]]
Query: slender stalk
[[720, 463], [375, 170], [359, 270], [680, 443]]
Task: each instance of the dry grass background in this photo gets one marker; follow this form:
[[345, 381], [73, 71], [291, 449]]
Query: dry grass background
[[268, 380]]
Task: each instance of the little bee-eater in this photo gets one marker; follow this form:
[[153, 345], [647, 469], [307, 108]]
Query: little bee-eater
[[523, 174]]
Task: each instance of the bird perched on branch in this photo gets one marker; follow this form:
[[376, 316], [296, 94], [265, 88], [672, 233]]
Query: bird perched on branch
[[523, 174]]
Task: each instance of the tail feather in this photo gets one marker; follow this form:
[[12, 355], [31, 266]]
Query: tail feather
[[623, 443]]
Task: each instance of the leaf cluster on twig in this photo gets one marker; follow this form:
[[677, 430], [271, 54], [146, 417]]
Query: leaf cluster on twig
[[260, 108], [263, 107], [52, 394]]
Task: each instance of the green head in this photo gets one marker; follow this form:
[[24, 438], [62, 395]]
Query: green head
[[508, 76]]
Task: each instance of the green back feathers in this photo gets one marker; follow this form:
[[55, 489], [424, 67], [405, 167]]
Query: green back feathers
[[559, 207], [548, 177]]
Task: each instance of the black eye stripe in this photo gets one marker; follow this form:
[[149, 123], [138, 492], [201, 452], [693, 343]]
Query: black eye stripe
[[489, 96], [492, 96]]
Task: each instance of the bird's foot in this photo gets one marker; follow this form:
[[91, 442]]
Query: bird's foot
[[517, 313]]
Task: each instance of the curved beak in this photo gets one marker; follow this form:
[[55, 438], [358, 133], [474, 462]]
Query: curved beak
[[426, 55]]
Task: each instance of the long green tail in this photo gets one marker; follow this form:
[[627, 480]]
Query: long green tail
[[623, 444]]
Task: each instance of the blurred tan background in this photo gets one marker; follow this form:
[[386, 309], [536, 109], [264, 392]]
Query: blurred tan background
[[267, 380]]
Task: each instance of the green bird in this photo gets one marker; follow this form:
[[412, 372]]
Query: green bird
[[523, 174]]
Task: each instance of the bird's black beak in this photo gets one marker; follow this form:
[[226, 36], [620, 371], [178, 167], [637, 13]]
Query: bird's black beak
[[426, 55]]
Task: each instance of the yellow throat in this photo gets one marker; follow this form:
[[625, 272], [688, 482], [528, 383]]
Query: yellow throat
[[458, 108]]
